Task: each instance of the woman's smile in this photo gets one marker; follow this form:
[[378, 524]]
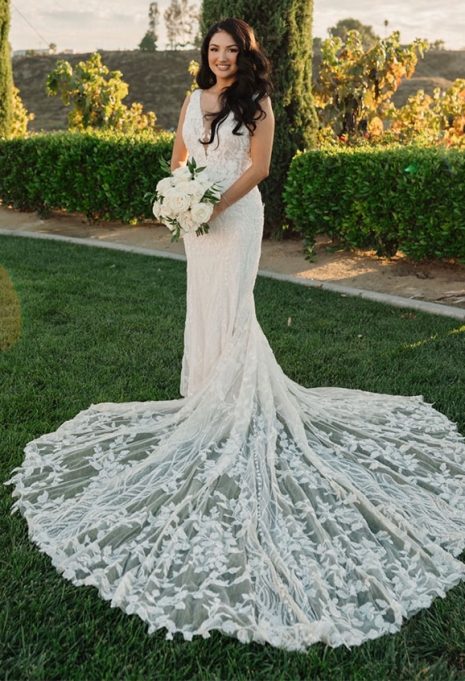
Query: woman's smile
[[221, 46]]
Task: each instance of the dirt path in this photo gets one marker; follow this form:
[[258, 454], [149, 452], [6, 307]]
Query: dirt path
[[440, 282]]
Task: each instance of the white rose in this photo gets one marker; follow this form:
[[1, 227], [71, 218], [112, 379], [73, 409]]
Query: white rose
[[165, 185], [202, 212], [197, 191], [185, 187], [167, 211], [188, 224], [176, 201], [157, 209], [182, 172]]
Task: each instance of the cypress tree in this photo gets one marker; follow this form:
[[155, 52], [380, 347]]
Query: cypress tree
[[6, 74], [284, 30]]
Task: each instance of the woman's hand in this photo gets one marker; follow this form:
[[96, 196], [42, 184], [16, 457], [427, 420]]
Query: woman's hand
[[218, 208]]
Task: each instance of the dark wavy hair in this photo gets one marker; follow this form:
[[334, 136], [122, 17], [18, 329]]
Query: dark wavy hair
[[252, 77]]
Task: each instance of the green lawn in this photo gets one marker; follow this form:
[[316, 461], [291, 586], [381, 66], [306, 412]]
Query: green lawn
[[101, 326]]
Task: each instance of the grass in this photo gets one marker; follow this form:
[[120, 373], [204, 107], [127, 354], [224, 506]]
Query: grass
[[99, 326], [10, 316]]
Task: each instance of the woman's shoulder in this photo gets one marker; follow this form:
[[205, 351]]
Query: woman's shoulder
[[192, 93]]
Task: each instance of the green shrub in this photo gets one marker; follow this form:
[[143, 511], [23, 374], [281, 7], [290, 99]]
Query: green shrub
[[102, 174], [386, 198]]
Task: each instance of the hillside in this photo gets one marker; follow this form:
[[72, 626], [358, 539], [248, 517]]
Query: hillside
[[160, 80]]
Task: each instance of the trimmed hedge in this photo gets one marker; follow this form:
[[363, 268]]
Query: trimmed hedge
[[408, 198], [104, 175]]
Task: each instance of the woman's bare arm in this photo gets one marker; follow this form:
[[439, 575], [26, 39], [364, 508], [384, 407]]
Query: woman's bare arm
[[261, 147], [180, 153]]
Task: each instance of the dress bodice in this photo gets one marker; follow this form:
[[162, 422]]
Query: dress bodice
[[228, 155]]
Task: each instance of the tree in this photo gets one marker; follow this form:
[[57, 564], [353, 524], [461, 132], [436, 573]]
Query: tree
[[438, 45], [342, 28], [284, 29], [149, 41], [154, 17], [96, 95], [52, 48], [6, 72], [355, 85], [21, 117], [181, 21]]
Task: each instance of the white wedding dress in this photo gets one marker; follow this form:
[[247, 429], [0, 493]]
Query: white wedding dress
[[252, 505]]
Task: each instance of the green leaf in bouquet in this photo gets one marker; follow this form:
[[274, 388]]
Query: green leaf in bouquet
[[176, 232], [212, 194], [203, 229], [192, 165]]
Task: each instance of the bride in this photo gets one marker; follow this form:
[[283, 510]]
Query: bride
[[251, 505]]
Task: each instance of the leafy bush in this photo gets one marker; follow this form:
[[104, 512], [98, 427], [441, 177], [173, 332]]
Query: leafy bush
[[355, 83], [386, 198], [437, 119], [102, 174], [21, 116], [95, 94]]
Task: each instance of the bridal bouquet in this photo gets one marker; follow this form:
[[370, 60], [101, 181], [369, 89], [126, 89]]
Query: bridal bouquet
[[184, 201]]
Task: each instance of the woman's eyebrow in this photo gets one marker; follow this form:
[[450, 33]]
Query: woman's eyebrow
[[215, 45]]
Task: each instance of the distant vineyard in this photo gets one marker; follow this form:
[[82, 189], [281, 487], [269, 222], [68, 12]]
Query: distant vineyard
[[159, 81]]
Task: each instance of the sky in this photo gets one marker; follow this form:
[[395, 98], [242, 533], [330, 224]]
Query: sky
[[88, 25]]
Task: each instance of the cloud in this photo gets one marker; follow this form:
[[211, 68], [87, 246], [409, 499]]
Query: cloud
[[80, 18], [84, 25], [417, 18]]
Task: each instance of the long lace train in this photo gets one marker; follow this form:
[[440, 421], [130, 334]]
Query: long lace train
[[256, 507]]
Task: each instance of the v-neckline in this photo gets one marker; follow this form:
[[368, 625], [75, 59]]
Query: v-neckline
[[206, 132], [200, 104]]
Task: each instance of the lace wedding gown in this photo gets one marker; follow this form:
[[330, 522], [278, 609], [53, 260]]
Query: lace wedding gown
[[252, 505]]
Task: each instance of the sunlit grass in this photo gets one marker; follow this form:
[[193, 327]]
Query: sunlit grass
[[101, 325], [434, 337], [10, 312]]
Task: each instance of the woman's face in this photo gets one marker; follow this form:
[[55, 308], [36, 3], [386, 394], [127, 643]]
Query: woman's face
[[222, 56]]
